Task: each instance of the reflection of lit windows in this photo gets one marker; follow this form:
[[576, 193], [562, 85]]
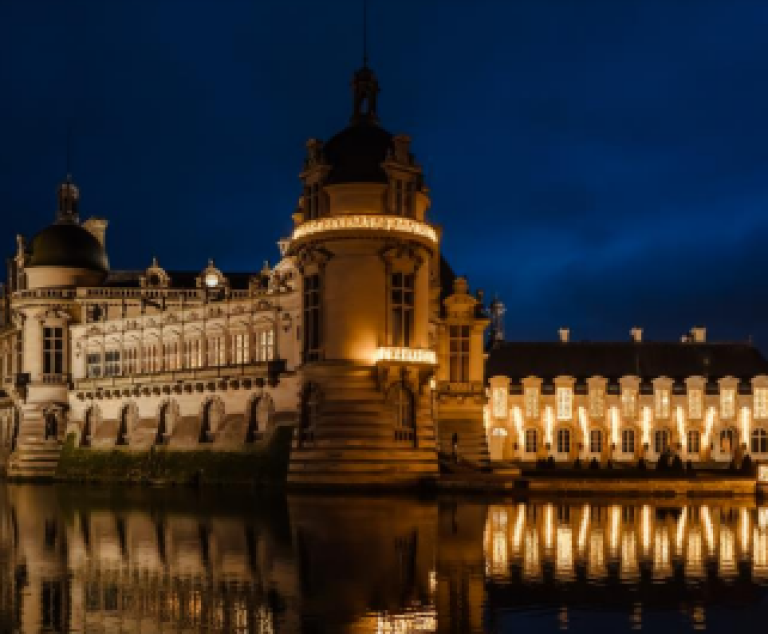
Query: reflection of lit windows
[[662, 403], [499, 402], [761, 402], [597, 402], [564, 400], [531, 441], [628, 402], [727, 403], [532, 402], [695, 399]]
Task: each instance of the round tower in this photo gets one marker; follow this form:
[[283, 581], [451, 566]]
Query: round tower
[[369, 261]]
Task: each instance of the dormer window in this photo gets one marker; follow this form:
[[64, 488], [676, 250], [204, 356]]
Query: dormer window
[[312, 201], [403, 197]]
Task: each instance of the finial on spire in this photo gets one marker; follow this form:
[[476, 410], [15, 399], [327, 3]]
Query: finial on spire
[[365, 33]]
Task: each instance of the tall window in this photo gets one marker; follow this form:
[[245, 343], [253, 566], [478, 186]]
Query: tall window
[[662, 403], [595, 441], [628, 402], [216, 351], [403, 195], [694, 441], [563, 441], [459, 353], [564, 400], [628, 441], [240, 348], [761, 402], [531, 402], [265, 344], [171, 355], [193, 353], [661, 441], [312, 323], [597, 402], [531, 438], [401, 308], [695, 403], [759, 440], [727, 403], [130, 361], [312, 201], [499, 402], [151, 358], [93, 365], [53, 350], [112, 363], [401, 401]]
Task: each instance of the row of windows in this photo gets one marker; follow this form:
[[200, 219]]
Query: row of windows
[[661, 441], [177, 355], [628, 402]]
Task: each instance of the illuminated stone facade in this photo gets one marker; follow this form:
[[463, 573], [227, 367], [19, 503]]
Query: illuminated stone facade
[[360, 336]]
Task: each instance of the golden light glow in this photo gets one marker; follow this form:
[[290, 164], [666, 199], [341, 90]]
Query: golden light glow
[[680, 536], [762, 473], [646, 426], [407, 355], [584, 425], [615, 532], [517, 417], [499, 399], [709, 422], [645, 528], [366, 222], [583, 527], [615, 425], [681, 426], [709, 531], [549, 424], [745, 424]]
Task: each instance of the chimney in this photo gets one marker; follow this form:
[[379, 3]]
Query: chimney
[[565, 334], [699, 334], [637, 334], [97, 227]]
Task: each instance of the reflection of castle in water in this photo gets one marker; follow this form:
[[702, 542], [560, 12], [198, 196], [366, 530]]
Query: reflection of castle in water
[[80, 560]]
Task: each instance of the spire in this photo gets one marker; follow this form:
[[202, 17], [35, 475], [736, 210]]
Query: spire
[[364, 84], [68, 199]]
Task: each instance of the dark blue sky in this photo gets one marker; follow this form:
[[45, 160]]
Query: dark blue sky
[[598, 164]]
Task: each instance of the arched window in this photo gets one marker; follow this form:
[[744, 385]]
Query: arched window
[[595, 441], [531, 441], [628, 441], [88, 427], [563, 440], [260, 418], [694, 441], [128, 419], [661, 441], [728, 440], [213, 417], [401, 402], [166, 422], [265, 344], [310, 410], [759, 440]]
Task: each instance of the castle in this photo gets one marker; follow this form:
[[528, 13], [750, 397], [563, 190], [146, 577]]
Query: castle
[[361, 337]]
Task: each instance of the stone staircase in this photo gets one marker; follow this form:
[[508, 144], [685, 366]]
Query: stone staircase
[[35, 458]]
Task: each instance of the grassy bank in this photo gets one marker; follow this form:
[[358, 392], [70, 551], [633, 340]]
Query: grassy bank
[[265, 464]]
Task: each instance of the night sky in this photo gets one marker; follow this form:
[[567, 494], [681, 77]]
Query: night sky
[[598, 164]]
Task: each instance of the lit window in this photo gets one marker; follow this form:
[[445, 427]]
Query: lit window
[[563, 441], [728, 403], [662, 403], [53, 350], [532, 402], [193, 353], [216, 351], [761, 402], [595, 441], [130, 361], [597, 402], [694, 441], [564, 403], [628, 402], [240, 345], [531, 441], [401, 309], [459, 354], [265, 345], [499, 402], [171, 355], [759, 440], [661, 441], [695, 403], [112, 363], [93, 365], [628, 441]]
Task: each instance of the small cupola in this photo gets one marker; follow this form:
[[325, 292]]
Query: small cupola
[[68, 202], [365, 88]]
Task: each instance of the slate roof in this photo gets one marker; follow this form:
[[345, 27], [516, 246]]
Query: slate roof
[[613, 360]]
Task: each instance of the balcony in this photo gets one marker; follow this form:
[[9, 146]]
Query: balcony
[[358, 223]]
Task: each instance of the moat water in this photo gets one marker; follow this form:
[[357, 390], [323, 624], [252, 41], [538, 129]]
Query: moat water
[[89, 559]]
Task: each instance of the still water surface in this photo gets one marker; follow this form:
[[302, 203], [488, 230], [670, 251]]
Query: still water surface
[[144, 560]]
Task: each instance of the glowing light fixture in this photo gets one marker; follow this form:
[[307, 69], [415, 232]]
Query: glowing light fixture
[[548, 424], [517, 416], [762, 473], [681, 426], [366, 222], [745, 423], [407, 355], [646, 425], [709, 422], [584, 425], [614, 425]]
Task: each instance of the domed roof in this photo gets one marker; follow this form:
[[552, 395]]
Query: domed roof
[[67, 244], [356, 153]]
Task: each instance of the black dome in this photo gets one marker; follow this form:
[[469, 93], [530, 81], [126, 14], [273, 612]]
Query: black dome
[[68, 245], [356, 153]]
